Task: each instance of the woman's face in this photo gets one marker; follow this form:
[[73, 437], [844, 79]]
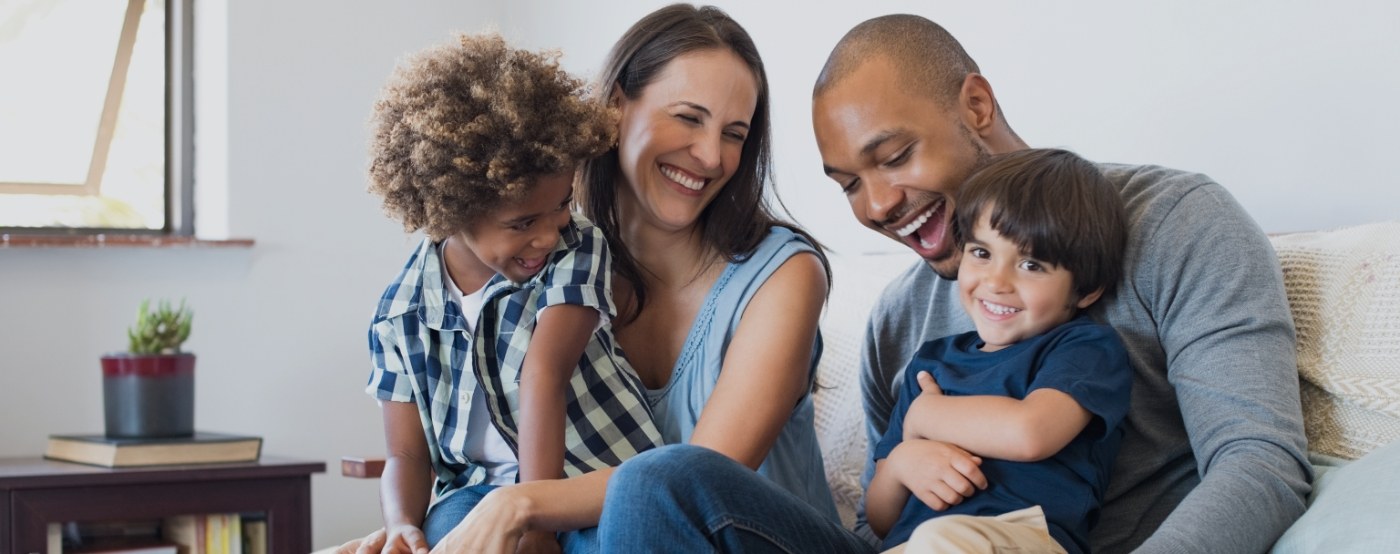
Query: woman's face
[[681, 138]]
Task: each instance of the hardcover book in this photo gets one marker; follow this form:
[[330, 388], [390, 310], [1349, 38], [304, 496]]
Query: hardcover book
[[199, 448]]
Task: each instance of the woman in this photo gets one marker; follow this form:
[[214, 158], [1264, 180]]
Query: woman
[[720, 298]]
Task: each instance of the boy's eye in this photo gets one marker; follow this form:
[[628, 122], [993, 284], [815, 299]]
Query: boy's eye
[[979, 252], [1031, 265], [523, 225]]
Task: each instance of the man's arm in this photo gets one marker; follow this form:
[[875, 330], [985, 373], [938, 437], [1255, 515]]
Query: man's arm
[[1216, 294]]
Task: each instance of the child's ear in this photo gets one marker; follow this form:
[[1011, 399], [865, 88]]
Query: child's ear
[[1089, 299]]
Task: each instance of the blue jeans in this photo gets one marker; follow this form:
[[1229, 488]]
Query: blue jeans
[[445, 515], [682, 498]]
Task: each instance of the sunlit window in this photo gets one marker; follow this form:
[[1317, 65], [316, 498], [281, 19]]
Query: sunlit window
[[83, 115]]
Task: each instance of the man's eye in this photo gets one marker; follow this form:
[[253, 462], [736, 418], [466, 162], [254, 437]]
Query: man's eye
[[850, 187], [899, 158]]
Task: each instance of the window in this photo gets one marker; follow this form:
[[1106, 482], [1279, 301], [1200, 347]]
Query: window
[[94, 116]]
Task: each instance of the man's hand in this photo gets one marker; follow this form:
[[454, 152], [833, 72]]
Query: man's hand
[[941, 475]]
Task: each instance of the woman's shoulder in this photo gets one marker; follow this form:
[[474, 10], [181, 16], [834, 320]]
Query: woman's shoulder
[[786, 259]]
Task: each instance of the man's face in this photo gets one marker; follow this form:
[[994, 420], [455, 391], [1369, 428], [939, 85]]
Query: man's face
[[899, 157]]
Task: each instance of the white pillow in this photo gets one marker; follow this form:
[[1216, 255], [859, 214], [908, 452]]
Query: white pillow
[[1344, 291]]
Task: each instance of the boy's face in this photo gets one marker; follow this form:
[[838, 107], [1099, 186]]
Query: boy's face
[[1010, 295], [515, 240]]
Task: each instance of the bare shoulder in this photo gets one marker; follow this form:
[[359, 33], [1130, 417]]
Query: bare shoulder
[[800, 279]]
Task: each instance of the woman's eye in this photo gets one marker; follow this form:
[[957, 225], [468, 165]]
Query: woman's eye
[[735, 135], [688, 118]]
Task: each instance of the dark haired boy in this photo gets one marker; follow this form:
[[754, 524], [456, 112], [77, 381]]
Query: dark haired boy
[[1021, 417]]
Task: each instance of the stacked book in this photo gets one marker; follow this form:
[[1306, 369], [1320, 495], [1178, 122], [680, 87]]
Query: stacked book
[[199, 448]]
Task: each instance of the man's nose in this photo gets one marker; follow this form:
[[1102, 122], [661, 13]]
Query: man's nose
[[883, 202]]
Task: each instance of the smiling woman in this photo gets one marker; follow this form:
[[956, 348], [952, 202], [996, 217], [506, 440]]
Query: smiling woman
[[84, 116]]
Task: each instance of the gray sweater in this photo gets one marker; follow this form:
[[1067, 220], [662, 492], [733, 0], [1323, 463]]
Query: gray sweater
[[1213, 456]]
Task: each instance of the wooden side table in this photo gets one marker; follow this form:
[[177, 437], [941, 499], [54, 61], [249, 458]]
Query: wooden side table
[[35, 492]]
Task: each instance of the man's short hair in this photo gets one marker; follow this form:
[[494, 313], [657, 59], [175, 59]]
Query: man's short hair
[[926, 56], [1057, 207]]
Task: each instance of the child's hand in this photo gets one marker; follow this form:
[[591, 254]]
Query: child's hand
[[404, 538], [929, 392], [927, 384], [941, 475], [538, 542]]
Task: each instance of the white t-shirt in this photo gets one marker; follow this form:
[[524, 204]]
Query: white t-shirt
[[485, 445]]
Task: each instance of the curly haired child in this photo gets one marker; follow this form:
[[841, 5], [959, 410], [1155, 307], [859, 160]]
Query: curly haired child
[[493, 343]]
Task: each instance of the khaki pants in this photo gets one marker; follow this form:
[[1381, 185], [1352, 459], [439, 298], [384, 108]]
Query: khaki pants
[[1018, 531]]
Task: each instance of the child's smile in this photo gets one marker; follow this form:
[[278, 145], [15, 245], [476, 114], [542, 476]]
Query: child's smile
[[1010, 295]]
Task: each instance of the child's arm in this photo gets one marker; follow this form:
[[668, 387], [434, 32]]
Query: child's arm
[[560, 336], [406, 484], [996, 426], [943, 475]]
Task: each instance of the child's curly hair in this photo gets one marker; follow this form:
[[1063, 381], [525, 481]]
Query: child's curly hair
[[465, 127]]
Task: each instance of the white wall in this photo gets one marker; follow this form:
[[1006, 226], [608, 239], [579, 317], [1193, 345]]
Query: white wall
[[1291, 105]]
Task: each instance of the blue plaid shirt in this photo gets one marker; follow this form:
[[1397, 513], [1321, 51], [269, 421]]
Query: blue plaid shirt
[[419, 344]]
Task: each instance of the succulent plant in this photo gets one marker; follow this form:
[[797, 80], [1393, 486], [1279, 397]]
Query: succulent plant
[[161, 331]]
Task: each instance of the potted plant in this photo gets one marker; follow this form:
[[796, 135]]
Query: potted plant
[[148, 391]]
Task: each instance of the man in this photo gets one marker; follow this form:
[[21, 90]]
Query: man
[[1213, 459]]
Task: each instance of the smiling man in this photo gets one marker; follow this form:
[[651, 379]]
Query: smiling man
[[1213, 459]]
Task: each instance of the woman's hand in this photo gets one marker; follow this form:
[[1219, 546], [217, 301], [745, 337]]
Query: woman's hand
[[495, 526], [539, 542]]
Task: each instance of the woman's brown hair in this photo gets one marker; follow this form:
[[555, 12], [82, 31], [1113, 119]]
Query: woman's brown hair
[[739, 218]]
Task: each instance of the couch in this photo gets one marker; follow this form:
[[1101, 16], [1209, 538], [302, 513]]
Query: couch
[[1344, 292]]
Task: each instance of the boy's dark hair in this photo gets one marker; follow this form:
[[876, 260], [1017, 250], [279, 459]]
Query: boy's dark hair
[[1057, 207], [467, 126]]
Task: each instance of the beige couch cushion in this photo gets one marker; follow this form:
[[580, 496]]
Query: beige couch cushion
[[1344, 291]]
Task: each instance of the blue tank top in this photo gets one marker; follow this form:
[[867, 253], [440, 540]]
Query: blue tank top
[[795, 461]]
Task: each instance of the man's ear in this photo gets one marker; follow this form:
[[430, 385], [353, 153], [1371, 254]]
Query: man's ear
[[1089, 299], [977, 104]]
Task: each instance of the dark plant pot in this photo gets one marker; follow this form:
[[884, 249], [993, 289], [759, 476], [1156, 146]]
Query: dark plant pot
[[148, 396]]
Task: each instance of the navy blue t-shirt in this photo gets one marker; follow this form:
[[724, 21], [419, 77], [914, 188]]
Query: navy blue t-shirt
[[1080, 358]]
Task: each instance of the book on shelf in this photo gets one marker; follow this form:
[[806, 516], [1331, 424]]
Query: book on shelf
[[199, 448]]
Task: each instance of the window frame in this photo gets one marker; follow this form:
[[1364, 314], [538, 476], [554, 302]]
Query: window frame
[[179, 131]]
